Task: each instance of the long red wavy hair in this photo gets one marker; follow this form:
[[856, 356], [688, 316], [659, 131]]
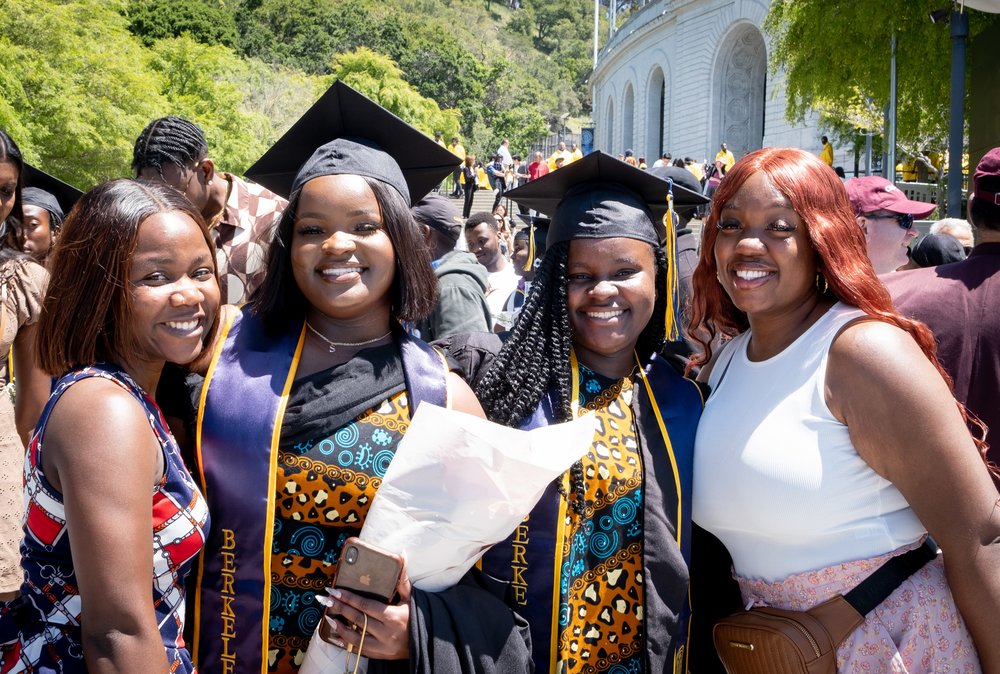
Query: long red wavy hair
[[818, 196]]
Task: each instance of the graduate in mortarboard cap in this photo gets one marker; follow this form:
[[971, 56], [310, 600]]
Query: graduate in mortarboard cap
[[600, 567], [45, 202], [308, 396]]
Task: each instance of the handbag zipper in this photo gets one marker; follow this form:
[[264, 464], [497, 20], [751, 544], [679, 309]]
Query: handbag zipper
[[800, 628]]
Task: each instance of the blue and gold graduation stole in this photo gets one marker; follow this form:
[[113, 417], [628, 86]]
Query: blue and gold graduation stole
[[531, 558], [239, 427]]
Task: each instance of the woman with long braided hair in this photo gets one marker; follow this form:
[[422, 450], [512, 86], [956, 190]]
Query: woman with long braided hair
[[600, 567]]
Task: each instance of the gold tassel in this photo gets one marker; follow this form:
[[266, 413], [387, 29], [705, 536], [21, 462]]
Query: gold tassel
[[530, 262], [671, 325]]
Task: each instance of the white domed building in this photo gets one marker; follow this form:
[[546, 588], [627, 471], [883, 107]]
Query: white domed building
[[683, 76]]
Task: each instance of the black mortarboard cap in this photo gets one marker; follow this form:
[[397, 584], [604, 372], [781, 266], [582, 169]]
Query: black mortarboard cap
[[65, 194], [346, 133], [683, 178], [601, 197]]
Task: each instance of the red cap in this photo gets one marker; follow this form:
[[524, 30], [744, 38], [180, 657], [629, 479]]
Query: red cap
[[988, 168], [874, 193]]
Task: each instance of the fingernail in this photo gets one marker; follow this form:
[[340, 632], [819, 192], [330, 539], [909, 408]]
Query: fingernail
[[333, 592], [324, 600], [334, 625]]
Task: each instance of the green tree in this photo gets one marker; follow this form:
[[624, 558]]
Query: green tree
[[74, 86], [206, 22], [836, 56]]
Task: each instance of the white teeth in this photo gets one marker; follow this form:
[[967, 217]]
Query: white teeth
[[340, 271], [604, 314], [185, 326], [750, 274]]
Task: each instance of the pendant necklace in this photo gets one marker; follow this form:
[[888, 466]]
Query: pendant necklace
[[334, 345]]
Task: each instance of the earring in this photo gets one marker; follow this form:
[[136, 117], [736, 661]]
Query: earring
[[821, 285]]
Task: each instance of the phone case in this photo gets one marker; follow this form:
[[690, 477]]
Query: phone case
[[367, 570]]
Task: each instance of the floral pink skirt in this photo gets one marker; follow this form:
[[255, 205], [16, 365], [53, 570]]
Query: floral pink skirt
[[917, 629]]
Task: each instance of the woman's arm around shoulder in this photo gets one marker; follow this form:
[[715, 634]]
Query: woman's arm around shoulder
[[100, 452], [904, 422]]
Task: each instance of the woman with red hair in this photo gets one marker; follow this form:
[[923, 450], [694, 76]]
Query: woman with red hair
[[831, 442]]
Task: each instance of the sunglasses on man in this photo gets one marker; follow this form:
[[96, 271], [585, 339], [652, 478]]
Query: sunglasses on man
[[904, 220]]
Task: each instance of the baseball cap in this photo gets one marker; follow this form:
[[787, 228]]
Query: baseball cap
[[986, 179], [438, 213], [935, 249], [869, 194]]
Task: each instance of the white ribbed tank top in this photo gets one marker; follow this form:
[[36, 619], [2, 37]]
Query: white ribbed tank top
[[776, 476]]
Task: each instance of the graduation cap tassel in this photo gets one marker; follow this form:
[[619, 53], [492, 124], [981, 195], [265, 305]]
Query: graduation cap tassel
[[530, 262], [671, 327]]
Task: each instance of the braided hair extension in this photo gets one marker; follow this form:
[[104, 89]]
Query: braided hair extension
[[535, 359], [168, 140]]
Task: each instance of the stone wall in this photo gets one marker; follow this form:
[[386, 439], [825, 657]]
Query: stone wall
[[689, 74]]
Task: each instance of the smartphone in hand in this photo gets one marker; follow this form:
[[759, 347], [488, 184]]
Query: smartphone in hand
[[368, 570]]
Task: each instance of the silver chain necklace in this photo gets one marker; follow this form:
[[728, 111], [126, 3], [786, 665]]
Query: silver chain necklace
[[334, 345]]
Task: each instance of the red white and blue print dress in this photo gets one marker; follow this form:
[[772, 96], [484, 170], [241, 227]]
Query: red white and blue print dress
[[40, 632]]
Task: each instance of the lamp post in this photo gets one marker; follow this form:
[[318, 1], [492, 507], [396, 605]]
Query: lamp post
[[956, 124]]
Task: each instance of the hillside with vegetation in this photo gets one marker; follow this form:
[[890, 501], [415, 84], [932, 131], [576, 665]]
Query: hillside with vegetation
[[79, 79]]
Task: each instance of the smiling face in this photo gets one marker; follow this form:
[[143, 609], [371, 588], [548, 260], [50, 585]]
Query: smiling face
[[484, 243], [8, 188], [37, 231], [342, 258], [175, 294], [765, 262], [610, 293]]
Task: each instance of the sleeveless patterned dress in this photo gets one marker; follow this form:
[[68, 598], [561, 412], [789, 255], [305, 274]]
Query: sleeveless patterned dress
[[327, 476], [601, 584], [40, 632]]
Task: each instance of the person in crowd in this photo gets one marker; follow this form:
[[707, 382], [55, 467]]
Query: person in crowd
[[958, 228], [483, 236], [725, 155], [575, 153], [22, 286], [529, 249], [831, 442], [457, 149], [43, 217], [716, 172], [933, 250], [310, 392], [826, 155], [537, 168], [679, 163], [460, 304], [521, 176], [504, 153], [240, 214], [600, 566], [696, 169], [470, 178], [630, 158], [506, 236], [498, 179], [958, 303], [665, 160], [136, 288], [560, 153], [886, 217], [642, 163]]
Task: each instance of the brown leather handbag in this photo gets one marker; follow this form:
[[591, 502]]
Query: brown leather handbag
[[777, 641]]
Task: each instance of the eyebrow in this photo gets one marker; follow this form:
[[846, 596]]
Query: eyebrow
[[319, 215], [166, 259]]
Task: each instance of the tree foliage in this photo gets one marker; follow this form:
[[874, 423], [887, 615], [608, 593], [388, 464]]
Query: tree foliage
[[205, 21], [836, 57]]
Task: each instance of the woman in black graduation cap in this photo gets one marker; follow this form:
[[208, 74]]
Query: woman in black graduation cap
[[304, 405], [600, 567]]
